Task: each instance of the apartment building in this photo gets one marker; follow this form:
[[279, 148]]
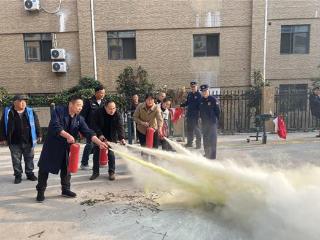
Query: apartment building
[[219, 42]]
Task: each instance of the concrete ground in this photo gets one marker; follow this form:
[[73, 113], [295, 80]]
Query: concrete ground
[[120, 209]]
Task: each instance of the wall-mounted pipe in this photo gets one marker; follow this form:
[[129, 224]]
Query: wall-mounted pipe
[[94, 52]]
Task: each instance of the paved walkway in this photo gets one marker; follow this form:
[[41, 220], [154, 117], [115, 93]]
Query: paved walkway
[[120, 209]]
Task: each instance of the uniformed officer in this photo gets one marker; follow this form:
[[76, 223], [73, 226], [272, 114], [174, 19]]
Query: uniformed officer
[[209, 114], [193, 104], [314, 101]]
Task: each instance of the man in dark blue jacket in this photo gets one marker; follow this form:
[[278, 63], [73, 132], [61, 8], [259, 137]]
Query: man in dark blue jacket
[[20, 129], [209, 114], [193, 104], [63, 128]]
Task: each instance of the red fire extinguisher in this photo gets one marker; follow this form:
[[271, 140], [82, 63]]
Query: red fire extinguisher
[[282, 129], [74, 158], [103, 157], [149, 137]]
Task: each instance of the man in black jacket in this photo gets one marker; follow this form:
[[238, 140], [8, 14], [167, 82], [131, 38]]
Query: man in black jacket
[[108, 125], [20, 129], [89, 107]]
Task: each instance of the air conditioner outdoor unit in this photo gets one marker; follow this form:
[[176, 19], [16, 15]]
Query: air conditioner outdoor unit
[[31, 5], [58, 54], [59, 67]]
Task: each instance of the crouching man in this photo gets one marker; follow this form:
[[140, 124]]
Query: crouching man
[[108, 125], [63, 128], [146, 115]]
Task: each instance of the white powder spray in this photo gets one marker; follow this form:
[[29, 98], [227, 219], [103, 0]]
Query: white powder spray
[[254, 203]]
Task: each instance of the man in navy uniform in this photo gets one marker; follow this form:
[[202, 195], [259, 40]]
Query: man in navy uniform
[[209, 114], [193, 104], [314, 101]]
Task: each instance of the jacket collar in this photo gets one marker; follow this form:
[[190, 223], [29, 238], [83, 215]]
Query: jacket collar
[[93, 99], [66, 116], [107, 114], [153, 108], [196, 92]]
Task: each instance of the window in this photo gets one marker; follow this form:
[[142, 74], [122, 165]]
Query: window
[[206, 45], [122, 45], [295, 39], [37, 46], [293, 97]]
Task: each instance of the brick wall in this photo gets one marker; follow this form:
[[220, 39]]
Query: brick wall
[[18, 76], [164, 32], [286, 68]]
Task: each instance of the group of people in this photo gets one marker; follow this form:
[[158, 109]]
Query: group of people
[[204, 108], [154, 113], [200, 107], [20, 130], [98, 120]]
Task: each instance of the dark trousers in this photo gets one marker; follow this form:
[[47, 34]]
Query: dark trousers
[[88, 149], [143, 139], [134, 127], [111, 160], [17, 151], [210, 140], [65, 178], [165, 145], [193, 129]]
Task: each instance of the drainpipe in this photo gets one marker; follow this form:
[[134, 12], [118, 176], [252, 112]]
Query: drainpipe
[[94, 53], [265, 41]]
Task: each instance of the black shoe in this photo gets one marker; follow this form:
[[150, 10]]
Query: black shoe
[[111, 176], [68, 193], [32, 177], [40, 196], [94, 176], [188, 145], [198, 147], [17, 180]]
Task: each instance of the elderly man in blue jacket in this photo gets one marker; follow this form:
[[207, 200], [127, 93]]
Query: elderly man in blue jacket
[[20, 129], [63, 128]]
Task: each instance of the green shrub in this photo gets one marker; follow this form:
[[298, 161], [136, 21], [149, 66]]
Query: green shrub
[[119, 100], [85, 89], [254, 93], [132, 82], [5, 98]]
